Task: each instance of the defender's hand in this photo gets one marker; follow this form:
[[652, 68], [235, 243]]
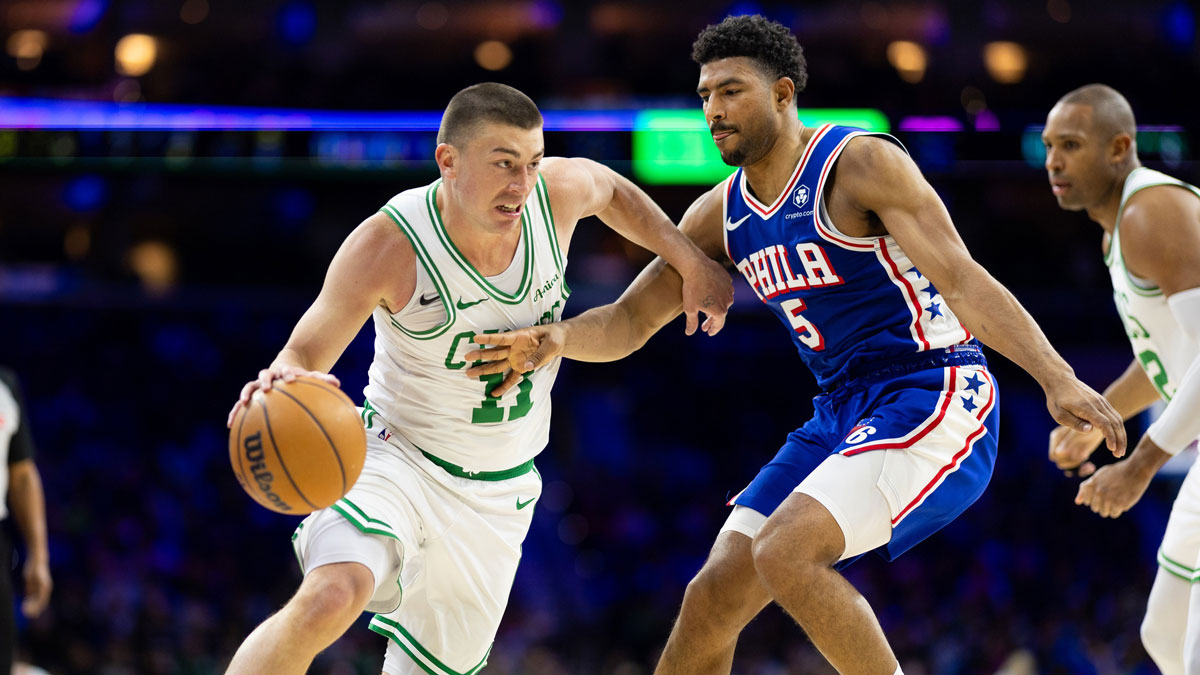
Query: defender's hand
[[1074, 404], [707, 288], [1114, 489], [267, 376], [1070, 448], [518, 351]]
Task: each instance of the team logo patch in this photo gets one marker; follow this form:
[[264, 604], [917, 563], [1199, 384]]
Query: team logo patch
[[801, 196], [861, 432]]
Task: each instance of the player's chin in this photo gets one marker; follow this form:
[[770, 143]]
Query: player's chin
[[1067, 203], [733, 157]]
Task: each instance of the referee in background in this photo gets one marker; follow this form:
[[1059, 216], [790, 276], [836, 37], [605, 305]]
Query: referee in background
[[20, 493]]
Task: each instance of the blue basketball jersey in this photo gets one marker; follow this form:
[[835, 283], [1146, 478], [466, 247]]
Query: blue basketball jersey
[[848, 303]]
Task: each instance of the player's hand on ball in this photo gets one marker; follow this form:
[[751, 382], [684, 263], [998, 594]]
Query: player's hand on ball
[[267, 376], [1075, 405], [707, 288], [1114, 489], [1069, 449], [518, 352]]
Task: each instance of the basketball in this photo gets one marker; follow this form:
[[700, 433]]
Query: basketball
[[298, 447]]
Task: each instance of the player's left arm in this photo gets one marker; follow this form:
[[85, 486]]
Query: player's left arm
[[580, 188], [1160, 241], [880, 177]]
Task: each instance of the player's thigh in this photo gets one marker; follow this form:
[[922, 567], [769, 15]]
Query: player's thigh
[[327, 543], [803, 451], [915, 462], [454, 601]]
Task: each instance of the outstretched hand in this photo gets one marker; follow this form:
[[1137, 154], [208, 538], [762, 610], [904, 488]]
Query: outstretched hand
[[266, 377], [518, 352], [707, 288], [1077, 406]]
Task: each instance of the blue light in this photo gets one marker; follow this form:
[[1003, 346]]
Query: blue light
[[744, 7], [1180, 24], [297, 22], [86, 15], [35, 113], [85, 193]]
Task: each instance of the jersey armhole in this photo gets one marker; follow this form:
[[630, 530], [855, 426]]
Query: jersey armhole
[[426, 263], [826, 228]]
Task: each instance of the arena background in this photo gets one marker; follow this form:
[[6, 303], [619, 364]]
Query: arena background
[[153, 258]]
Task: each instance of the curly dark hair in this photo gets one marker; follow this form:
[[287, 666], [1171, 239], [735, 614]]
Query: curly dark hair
[[768, 42]]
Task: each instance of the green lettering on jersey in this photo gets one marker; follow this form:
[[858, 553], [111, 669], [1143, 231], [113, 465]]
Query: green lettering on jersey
[[1155, 371], [489, 411]]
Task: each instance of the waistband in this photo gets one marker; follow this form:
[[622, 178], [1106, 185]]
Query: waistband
[[369, 414], [862, 374], [456, 470]]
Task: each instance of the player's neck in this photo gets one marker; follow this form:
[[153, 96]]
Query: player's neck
[[1108, 210], [769, 176], [489, 249]]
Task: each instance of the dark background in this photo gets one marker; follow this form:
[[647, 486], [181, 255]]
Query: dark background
[[137, 295]]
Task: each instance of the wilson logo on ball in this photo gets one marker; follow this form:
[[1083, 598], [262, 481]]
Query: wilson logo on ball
[[262, 477]]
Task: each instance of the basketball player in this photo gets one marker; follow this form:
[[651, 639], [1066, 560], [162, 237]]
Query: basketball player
[[1151, 244], [430, 535], [840, 236]]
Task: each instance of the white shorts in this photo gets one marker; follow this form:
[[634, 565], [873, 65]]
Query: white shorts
[[860, 508], [1179, 553], [443, 550]]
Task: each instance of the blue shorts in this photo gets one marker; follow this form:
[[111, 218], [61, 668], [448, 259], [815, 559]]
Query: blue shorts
[[937, 415]]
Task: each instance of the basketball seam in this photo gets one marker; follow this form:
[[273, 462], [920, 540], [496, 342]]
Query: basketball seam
[[240, 440], [282, 464], [320, 426]]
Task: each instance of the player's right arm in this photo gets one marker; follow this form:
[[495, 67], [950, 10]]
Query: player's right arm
[[375, 264], [609, 332], [1129, 394]]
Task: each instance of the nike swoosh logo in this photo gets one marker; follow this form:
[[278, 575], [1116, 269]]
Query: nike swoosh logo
[[731, 226], [464, 305], [428, 301], [521, 504]]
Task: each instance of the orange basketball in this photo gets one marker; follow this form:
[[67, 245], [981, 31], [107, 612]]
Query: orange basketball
[[298, 447]]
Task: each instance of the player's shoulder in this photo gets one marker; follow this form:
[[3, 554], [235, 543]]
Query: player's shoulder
[[872, 152], [1156, 210], [567, 176]]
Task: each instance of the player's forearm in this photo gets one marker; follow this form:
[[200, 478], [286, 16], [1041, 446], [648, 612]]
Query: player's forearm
[[602, 334], [1132, 392], [994, 316], [614, 331], [28, 505], [635, 216]]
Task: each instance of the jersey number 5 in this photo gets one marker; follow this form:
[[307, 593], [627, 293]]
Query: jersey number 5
[[809, 335]]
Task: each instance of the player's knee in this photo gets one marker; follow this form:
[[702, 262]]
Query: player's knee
[[334, 595], [784, 546], [711, 595]]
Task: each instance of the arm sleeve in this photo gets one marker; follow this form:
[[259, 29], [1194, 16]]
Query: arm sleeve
[[1179, 424], [21, 446]]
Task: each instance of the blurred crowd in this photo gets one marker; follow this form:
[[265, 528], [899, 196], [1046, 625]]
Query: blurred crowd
[[137, 295]]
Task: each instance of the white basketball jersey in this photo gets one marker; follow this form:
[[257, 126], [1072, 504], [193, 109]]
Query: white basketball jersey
[[1159, 343], [417, 382]]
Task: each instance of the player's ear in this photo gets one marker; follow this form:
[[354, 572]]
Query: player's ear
[[446, 156], [1120, 147], [785, 92]]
